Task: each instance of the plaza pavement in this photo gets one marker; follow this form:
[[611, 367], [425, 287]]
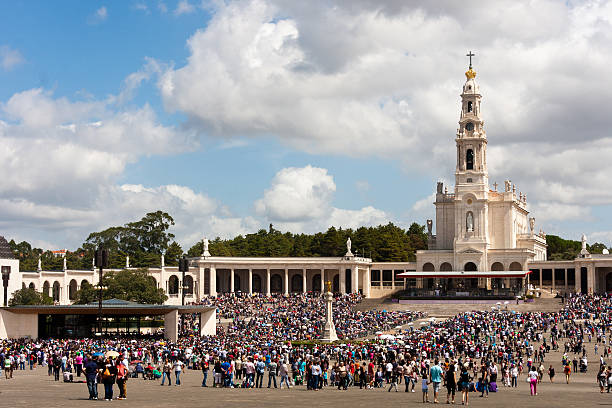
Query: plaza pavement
[[36, 389]]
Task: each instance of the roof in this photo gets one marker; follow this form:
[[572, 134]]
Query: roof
[[5, 249], [109, 307]]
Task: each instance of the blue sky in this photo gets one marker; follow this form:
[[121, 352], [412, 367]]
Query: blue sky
[[232, 115]]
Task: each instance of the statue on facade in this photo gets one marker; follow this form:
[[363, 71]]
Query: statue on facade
[[531, 224], [65, 265], [348, 247], [205, 247], [439, 187], [163, 260], [507, 185], [429, 227], [470, 222], [127, 261], [39, 267]]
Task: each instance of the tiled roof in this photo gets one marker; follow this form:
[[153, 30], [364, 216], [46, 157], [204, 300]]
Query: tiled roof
[[5, 249]]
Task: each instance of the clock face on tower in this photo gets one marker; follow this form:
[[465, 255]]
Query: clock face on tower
[[469, 126]]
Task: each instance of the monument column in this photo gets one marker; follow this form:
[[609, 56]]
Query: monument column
[[541, 278], [212, 279], [267, 281], [565, 273], [329, 330], [286, 281], [232, 280], [342, 279], [250, 281], [355, 279]]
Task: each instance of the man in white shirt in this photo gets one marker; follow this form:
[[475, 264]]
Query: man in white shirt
[[178, 368]]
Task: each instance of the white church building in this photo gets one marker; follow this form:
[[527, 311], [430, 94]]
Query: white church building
[[485, 244]]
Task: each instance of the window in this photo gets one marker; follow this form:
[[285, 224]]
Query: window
[[469, 106], [469, 180], [469, 159], [469, 126]]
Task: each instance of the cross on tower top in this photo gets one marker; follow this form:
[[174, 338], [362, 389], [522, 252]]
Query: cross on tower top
[[470, 55]]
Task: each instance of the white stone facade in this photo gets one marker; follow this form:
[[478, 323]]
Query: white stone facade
[[478, 228]]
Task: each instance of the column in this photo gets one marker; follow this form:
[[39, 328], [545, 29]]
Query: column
[[577, 278], [366, 282], [201, 278], [286, 286], [268, 282], [565, 272], [591, 278], [355, 279], [231, 280], [342, 280], [250, 281], [554, 272], [304, 280], [212, 280], [541, 276], [392, 279], [171, 325], [322, 280]]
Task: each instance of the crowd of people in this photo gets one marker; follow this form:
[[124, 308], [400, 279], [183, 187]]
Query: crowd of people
[[271, 341]]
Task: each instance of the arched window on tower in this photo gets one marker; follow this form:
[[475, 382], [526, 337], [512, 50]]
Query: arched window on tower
[[469, 221], [469, 126], [470, 107], [469, 160]]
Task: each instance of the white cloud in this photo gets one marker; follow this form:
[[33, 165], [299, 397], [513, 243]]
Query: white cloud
[[142, 6], [366, 78], [300, 199], [184, 7], [161, 6], [10, 58], [99, 16]]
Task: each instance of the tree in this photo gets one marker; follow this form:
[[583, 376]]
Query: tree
[[173, 254], [132, 285], [29, 296]]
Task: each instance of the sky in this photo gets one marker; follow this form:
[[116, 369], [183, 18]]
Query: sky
[[231, 115]]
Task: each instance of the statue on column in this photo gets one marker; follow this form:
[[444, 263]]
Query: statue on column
[[429, 227], [531, 224], [127, 261], [65, 265], [329, 329], [39, 267], [163, 260], [205, 247], [348, 247]]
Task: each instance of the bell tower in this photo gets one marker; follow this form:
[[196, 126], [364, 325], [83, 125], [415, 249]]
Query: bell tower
[[471, 137], [471, 240]]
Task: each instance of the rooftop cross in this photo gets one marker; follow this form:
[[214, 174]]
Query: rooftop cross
[[470, 54]]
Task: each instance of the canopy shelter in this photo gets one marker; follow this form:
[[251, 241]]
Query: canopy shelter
[[34, 321], [464, 274], [463, 284]]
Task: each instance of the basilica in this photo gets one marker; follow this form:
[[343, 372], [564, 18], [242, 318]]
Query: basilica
[[485, 245]]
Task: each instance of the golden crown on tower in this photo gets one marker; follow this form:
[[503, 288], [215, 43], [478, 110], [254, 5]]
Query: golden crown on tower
[[470, 74]]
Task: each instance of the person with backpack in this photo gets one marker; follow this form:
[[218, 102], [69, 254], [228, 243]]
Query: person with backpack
[[109, 376]]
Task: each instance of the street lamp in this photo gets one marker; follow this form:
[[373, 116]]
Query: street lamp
[[6, 272], [183, 267], [101, 258]]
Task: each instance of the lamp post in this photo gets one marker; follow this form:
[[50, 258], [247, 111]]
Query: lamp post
[[183, 268], [6, 272], [101, 258]]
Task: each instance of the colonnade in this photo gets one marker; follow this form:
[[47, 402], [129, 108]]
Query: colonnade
[[343, 278]]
